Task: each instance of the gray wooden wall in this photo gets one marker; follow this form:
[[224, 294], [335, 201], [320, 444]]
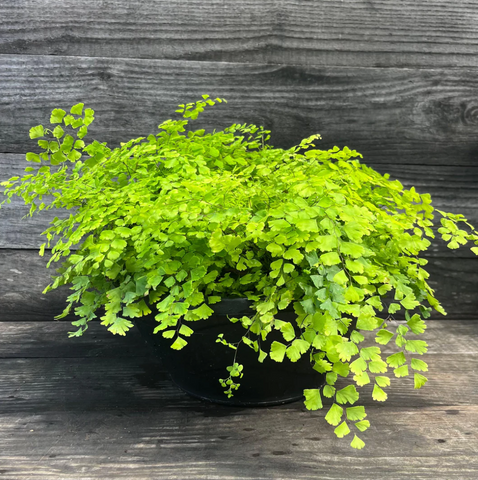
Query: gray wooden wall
[[396, 80]]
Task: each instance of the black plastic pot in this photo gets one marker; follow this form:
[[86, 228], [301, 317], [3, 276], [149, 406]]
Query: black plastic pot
[[197, 368]]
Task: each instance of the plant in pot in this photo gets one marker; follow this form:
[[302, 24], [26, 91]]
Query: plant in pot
[[271, 263]]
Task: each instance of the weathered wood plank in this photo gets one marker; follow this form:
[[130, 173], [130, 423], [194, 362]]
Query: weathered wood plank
[[30, 386], [120, 417], [17, 228], [24, 277], [391, 115], [348, 33], [188, 444], [50, 340]]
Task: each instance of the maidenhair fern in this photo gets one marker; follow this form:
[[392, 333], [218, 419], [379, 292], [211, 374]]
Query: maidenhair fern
[[176, 221]]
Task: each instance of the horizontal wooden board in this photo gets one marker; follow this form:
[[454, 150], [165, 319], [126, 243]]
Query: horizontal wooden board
[[402, 116], [49, 340], [24, 277], [17, 228], [205, 443], [119, 416], [93, 384], [346, 33]]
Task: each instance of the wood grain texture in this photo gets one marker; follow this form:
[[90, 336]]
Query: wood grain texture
[[403, 116], [203, 443], [23, 277], [17, 228], [346, 33], [118, 416], [49, 340], [30, 386]]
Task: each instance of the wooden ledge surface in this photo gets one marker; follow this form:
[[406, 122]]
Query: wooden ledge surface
[[102, 407]]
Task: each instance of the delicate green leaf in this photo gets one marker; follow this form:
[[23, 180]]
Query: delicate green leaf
[[341, 368], [377, 366], [419, 380], [331, 378], [57, 115], [356, 337], [169, 333], [354, 294], [58, 132], [118, 244], [179, 343], [352, 249], [393, 308], [410, 302], [342, 430], [416, 324], [185, 330], [382, 381], [82, 132], [369, 353], [357, 443], [369, 323], [313, 400], [401, 371], [328, 391], [295, 351], [361, 379], [198, 273], [416, 346], [288, 332], [57, 158], [341, 278], [322, 366], [355, 413], [294, 255], [33, 157], [346, 350], [308, 225], [77, 109], [347, 394], [363, 425], [420, 365], [358, 366], [378, 394], [277, 264], [331, 258], [334, 415], [396, 359], [74, 155], [383, 337], [120, 326], [202, 312], [277, 351], [36, 132], [361, 280], [274, 249], [354, 266], [375, 302]]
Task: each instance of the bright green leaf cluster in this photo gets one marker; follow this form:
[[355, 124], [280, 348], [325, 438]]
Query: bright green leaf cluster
[[174, 222]]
